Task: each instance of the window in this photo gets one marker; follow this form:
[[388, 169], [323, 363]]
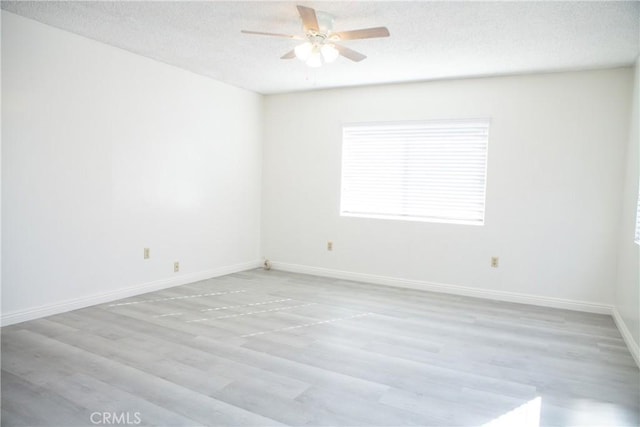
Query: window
[[637, 238], [418, 171]]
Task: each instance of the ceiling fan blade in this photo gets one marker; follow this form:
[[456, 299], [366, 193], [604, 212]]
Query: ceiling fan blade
[[260, 33], [350, 53], [289, 55], [365, 33], [309, 19]]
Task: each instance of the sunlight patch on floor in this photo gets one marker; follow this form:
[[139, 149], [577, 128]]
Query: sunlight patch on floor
[[525, 415]]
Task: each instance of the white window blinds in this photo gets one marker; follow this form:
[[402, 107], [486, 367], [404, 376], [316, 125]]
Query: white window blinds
[[421, 171]]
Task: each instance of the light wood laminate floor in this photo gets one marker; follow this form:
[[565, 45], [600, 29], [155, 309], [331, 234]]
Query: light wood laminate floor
[[264, 348]]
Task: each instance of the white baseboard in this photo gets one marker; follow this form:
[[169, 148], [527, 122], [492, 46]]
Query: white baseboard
[[82, 302], [632, 345], [448, 289]]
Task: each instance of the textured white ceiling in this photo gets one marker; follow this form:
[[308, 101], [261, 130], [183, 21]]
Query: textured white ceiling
[[429, 40]]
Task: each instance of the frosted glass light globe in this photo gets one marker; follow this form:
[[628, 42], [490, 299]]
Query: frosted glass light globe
[[303, 51], [329, 53], [315, 60]]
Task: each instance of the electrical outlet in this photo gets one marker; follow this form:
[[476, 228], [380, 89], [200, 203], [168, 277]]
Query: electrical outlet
[[329, 246], [146, 253], [495, 261], [176, 267]]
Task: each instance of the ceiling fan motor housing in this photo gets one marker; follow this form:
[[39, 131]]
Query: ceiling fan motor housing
[[325, 25]]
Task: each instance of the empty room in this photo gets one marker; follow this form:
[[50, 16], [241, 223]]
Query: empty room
[[323, 213]]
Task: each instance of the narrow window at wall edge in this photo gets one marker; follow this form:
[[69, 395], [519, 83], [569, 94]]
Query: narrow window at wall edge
[[637, 236], [432, 171]]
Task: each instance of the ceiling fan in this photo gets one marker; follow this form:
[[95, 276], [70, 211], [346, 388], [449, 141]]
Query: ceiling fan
[[319, 44]]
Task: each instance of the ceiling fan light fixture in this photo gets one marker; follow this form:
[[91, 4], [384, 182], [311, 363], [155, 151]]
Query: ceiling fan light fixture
[[329, 53], [319, 38], [303, 51], [315, 59]]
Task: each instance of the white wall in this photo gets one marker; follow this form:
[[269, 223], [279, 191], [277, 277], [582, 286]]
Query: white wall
[[557, 143], [105, 153], [627, 301]]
